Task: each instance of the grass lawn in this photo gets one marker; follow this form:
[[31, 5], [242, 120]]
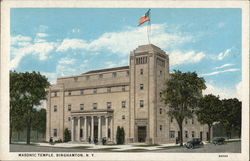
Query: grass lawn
[[135, 150], [230, 141], [169, 147], [107, 149], [82, 147], [146, 145]]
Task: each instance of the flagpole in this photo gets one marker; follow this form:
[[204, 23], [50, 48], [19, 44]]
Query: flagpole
[[148, 31], [149, 26]]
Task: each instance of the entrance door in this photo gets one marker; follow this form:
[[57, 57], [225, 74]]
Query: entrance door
[[201, 135], [142, 133], [95, 131]]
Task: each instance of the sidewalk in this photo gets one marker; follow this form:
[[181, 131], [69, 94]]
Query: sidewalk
[[133, 146], [126, 147]]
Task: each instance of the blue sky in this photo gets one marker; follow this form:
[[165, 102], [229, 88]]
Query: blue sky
[[64, 42]]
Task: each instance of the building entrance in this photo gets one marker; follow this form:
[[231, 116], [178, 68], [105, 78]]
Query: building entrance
[[142, 133], [95, 131]]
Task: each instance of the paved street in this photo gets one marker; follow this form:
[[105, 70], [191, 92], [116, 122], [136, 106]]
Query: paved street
[[233, 147]]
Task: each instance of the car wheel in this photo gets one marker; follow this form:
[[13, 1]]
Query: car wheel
[[191, 146]]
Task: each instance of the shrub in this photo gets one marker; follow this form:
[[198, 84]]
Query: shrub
[[120, 135], [67, 136]]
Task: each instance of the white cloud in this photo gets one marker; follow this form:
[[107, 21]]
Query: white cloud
[[38, 40], [177, 57], [224, 93], [223, 66], [26, 47], [42, 28], [222, 55], [19, 38], [51, 76], [124, 41], [71, 44], [65, 67], [219, 72], [110, 64], [75, 30], [67, 61], [41, 35]]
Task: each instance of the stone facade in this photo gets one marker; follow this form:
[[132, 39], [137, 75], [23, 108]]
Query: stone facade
[[93, 104]]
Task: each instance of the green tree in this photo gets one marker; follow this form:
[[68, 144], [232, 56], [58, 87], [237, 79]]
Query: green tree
[[39, 121], [26, 91], [122, 135], [17, 121], [67, 136], [231, 115], [118, 135], [182, 93], [209, 111]]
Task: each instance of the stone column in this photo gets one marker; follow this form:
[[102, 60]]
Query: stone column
[[85, 128], [112, 130], [106, 124], [99, 128], [92, 128], [78, 130], [72, 129]]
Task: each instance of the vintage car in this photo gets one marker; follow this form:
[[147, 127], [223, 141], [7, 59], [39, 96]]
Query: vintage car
[[196, 142], [218, 141]]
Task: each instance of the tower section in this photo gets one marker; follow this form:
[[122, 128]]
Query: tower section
[[149, 68]]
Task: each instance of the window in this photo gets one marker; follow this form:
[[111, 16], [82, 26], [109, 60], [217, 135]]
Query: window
[[94, 90], [141, 86], [171, 120], [192, 121], [69, 93], [94, 106], [123, 88], [141, 71], [160, 94], [127, 73], [142, 60], [100, 76], [109, 104], [160, 72], [81, 107], [123, 104], [69, 107], [160, 110], [55, 108], [172, 134], [160, 127], [141, 103], [186, 134], [55, 94], [123, 117], [82, 92], [54, 132], [109, 89], [114, 74], [69, 118], [186, 121], [193, 134], [87, 77]]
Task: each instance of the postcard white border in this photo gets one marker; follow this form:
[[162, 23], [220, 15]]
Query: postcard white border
[[4, 83]]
